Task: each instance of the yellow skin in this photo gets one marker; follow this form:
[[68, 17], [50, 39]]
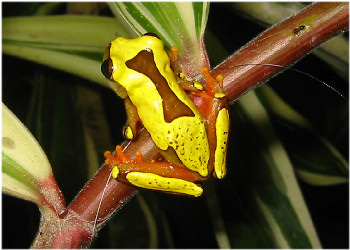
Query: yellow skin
[[140, 72]]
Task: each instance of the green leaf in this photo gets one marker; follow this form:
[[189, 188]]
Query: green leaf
[[173, 22], [92, 32], [79, 65], [217, 217], [275, 213], [74, 44], [180, 24], [317, 161], [95, 127], [25, 164], [64, 117]]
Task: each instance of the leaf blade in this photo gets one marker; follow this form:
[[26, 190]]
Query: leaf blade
[[180, 24], [274, 190], [314, 156], [25, 164]]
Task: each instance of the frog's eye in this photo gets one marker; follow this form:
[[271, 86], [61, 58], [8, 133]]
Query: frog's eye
[[107, 68], [151, 34]]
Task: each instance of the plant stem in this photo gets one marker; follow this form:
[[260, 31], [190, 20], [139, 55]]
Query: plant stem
[[282, 45]]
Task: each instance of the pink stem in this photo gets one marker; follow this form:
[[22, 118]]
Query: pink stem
[[280, 45]]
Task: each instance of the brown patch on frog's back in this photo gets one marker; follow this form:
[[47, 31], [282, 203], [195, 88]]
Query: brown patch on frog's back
[[173, 108]]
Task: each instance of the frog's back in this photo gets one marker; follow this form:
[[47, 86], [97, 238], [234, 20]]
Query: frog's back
[[188, 137]]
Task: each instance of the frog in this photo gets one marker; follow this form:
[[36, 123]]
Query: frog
[[192, 138]]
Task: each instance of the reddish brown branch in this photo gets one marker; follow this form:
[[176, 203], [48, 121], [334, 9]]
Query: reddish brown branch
[[116, 193], [282, 45]]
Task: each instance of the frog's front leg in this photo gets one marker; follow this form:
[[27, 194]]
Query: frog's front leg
[[161, 176], [133, 123], [212, 103], [214, 106]]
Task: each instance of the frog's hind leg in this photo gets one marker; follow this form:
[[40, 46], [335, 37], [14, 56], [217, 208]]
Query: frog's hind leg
[[214, 107], [161, 176]]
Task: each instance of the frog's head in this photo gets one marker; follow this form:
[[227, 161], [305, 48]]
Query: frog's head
[[121, 50]]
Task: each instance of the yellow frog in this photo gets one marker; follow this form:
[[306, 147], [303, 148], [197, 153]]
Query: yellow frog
[[192, 139]]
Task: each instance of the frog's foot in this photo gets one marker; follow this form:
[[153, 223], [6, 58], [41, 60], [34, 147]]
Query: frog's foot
[[165, 184], [118, 158], [173, 60], [174, 51], [214, 86], [212, 98], [133, 124], [161, 176]]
